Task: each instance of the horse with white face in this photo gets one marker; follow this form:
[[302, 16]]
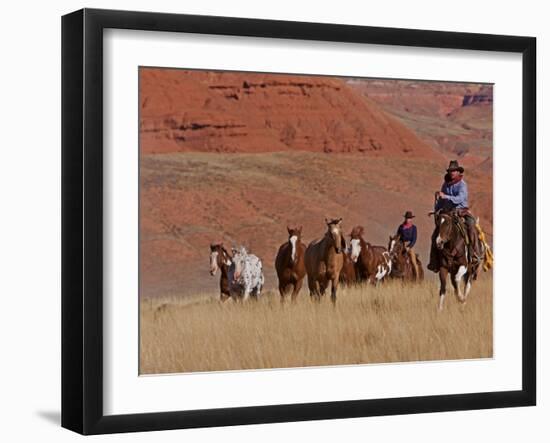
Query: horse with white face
[[289, 264], [220, 259], [246, 275], [374, 263]]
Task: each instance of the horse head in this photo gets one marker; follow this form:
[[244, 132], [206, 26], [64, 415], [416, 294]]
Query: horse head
[[356, 242], [294, 236], [395, 252], [335, 234], [444, 223], [394, 245], [218, 257]]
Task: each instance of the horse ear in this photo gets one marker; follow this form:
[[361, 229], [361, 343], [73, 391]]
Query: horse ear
[[288, 229], [300, 228], [340, 220], [327, 221]]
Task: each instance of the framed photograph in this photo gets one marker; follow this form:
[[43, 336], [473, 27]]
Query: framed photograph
[[269, 221]]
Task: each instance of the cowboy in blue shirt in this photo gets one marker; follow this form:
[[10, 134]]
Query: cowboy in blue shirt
[[407, 234], [454, 195]]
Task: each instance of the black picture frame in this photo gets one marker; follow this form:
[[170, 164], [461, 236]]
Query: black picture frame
[[82, 218]]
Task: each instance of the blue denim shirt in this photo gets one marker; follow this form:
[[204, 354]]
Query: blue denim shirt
[[457, 195], [407, 234]]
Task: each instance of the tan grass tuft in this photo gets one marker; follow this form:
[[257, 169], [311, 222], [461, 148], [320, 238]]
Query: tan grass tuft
[[391, 323]]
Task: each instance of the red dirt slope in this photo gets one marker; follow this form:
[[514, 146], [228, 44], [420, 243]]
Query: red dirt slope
[[182, 111], [455, 118]]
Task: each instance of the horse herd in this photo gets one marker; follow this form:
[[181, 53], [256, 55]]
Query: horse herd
[[327, 262]]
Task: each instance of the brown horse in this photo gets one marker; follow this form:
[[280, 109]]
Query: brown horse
[[349, 274], [289, 264], [453, 258], [402, 267], [374, 263], [221, 259], [324, 259]]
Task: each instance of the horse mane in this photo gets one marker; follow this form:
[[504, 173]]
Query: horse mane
[[357, 232], [225, 251], [241, 250], [327, 235]]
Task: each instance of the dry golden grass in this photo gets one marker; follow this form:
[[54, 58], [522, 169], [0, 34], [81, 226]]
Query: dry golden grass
[[391, 323]]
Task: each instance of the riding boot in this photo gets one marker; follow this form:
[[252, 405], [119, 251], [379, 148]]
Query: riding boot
[[412, 256], [475, 255]]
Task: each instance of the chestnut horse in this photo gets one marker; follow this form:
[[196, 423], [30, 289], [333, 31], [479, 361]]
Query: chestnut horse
[[453, 258], [374, 262], [401, 261], [289, 264], [324, 259], [220, 259], [349, 275]]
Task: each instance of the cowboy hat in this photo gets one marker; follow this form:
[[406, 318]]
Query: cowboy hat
[[409, 214], [454, 166]]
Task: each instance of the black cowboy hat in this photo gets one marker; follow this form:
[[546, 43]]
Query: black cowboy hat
[[409, 214], [454, 166]]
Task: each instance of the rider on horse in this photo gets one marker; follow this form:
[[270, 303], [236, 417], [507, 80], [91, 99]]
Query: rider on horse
[[407, 234], [453, 197]]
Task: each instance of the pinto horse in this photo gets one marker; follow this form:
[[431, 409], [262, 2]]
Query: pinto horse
[[220, 259], [374, 262], [453, 258], [289, 264], [324, 259], [246, 275], [402, 267]]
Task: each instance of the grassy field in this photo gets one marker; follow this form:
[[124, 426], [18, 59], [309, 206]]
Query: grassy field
[[391, 323]]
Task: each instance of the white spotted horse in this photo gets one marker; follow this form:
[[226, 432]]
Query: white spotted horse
[[246, 277]]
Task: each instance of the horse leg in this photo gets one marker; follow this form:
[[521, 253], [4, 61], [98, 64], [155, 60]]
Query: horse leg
[[282, 291], [467, 285], [322, 287], [258, 290], [246, 294], [462, 269], [454, 283], [315, 290], [442, 286], [333, 289], [297, 287], [371, 279]]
